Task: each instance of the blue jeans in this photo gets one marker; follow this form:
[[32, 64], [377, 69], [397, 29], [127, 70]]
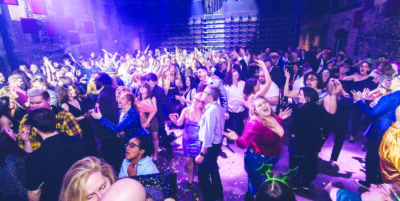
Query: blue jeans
[[253, 161]]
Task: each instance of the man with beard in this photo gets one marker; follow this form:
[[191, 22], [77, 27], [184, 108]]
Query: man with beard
[[272, 94]]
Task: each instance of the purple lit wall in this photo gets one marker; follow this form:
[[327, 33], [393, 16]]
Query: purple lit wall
[[58, 26]]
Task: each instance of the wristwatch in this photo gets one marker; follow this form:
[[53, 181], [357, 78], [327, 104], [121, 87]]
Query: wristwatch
[[201, 154]]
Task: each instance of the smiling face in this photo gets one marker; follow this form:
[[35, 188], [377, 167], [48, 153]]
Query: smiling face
[[262, 107], [312, 81], [325, 75], [261, 77], [96, 185], [132, 150], [235, 76], [143, 91], [295, 68], [187, 82], [72, 92]]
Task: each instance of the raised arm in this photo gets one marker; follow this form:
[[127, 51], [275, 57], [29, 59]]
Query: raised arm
[[286, 91], [268, 81], [320, 54], [347, 78]]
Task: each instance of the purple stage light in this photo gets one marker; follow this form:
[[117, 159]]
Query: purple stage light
[[9, 2]]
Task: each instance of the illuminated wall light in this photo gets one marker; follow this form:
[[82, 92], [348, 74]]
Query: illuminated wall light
[[307, 42], [316, 40]]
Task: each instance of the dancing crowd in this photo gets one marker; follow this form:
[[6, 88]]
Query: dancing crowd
[[92, 127]]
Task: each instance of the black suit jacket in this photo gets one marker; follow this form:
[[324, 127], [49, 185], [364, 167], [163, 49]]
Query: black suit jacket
[[162, 103], [109, 109]]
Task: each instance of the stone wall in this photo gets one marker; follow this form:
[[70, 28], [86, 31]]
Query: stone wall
[[371, 30], [379, 34]]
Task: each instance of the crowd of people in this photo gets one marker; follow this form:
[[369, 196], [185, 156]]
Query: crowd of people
[[87, 127]]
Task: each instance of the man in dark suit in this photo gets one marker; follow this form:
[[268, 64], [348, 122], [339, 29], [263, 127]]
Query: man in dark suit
[[111, 146]]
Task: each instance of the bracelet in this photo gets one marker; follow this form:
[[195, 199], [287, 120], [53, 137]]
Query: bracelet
[[202, 154]]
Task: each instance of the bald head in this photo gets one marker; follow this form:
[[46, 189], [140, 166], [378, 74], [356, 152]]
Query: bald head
[[398, 113], [125, 190], [395, 86]]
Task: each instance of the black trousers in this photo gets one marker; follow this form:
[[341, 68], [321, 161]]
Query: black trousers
[[307, 171], [208, 173], [113, 152], [358, 119], [339, 132], [373, 171], [235, 122], [163, 139]]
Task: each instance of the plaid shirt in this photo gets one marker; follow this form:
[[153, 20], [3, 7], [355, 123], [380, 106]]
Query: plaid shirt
[[65, 123]]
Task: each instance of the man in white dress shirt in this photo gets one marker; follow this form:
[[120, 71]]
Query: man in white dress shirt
[[210, 134]]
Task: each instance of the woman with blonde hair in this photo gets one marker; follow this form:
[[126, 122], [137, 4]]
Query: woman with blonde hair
[[191, 143], [87, 179], [262, 136]]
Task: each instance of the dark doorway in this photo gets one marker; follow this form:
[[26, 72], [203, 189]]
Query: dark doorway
[[341, 36]]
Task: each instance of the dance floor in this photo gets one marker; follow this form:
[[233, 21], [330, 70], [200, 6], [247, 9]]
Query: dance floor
[[234, 178]]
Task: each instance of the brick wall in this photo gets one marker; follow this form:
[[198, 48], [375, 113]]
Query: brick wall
[[30, 47]]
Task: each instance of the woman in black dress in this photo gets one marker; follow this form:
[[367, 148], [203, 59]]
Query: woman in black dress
[[70, 101], [359, 82]]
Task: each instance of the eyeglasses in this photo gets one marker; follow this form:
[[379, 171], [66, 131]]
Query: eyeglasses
[[131, 145], [325, 72], [311, 79]]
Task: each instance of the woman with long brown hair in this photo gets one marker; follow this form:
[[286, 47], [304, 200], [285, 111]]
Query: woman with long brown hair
[[146, 105], [68, 95], [262, 136]]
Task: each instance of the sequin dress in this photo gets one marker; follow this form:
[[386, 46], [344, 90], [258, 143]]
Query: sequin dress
[[191, 143]]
